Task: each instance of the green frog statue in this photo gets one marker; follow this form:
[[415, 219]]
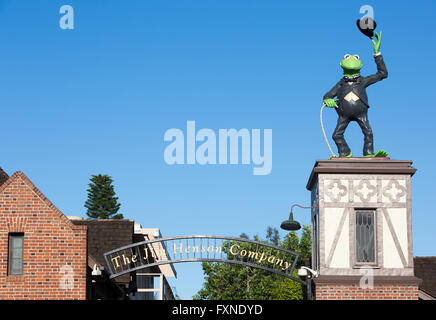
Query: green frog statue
[[351, 101]]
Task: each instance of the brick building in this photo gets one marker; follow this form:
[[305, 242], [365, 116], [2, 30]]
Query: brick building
[[42, 253], [46, 255]]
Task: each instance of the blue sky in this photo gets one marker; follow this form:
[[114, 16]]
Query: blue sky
[[99, 98]]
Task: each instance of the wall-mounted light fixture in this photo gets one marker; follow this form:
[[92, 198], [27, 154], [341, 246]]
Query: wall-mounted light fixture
[[291, 224]]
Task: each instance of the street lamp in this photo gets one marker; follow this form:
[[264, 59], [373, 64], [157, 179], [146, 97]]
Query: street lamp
[[291, 224]]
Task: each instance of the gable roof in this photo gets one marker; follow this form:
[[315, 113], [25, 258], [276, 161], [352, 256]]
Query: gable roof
[[3, 176], [41, 196], [105, 235]]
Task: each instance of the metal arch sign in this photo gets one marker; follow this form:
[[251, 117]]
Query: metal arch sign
[[202, 248]]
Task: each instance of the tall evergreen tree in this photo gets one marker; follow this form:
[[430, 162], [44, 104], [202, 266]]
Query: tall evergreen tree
[[102, 202]]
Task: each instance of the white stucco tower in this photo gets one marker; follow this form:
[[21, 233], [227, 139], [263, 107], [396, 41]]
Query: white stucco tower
[[362, 229]]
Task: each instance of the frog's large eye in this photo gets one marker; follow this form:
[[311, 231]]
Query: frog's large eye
[[356, 56], [347, 56]]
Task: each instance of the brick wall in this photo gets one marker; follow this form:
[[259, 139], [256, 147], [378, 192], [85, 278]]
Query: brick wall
[[55, 256], [355, 292]]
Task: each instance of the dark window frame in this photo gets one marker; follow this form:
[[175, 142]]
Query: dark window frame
[[315, 242], [375, 262], [11, 256]]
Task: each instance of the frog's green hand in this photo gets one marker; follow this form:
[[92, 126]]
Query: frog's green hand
[[331, 103], [377, 43]]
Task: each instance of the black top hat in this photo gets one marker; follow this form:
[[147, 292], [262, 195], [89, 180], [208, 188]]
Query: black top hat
[[367, 26]]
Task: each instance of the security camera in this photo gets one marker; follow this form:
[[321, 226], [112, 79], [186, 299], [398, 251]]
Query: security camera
[[96, 271], [303, 272]]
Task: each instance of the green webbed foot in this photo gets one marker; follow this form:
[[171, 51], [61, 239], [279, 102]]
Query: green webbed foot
[[379, 154], [350, 155]]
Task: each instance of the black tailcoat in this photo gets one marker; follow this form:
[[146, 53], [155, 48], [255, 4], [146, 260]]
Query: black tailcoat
[[355, 110]]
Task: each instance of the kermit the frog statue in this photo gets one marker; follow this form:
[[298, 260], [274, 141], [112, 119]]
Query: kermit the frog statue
[[352, 102]]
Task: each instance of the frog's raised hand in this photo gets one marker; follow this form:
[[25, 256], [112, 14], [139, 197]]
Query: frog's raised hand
[[376, 43]]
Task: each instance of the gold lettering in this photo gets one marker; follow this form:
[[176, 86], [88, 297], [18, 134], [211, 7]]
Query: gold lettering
[[252, 254], [187, 249], [271, 259], [125, 259], [145, 253], [231, 249], [160, 253], [243, 253], [210, 247], [218, 250], [116, 261], [203, 249], [262, 257], [134, 258], [287, 264], [279, 260], [180, 248], [195, 249]]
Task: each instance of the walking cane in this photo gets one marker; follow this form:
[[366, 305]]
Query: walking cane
[[323, 131]]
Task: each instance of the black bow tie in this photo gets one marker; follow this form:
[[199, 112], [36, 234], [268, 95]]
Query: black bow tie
[[354, 79]]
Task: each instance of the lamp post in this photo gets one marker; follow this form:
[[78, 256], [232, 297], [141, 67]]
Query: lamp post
[[292, 225]]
